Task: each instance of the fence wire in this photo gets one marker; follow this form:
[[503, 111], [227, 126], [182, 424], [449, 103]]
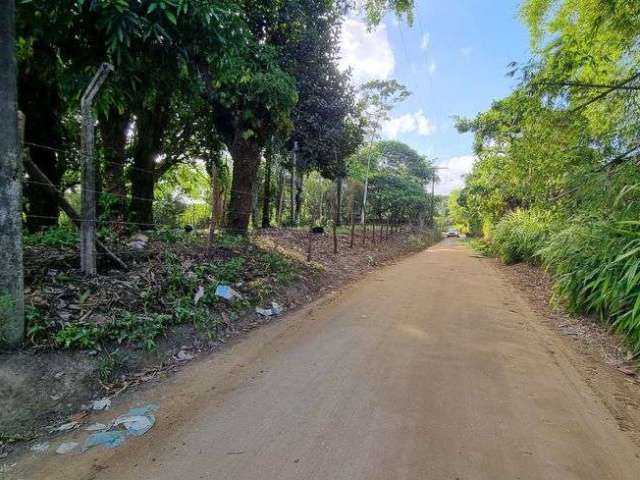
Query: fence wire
[[354, 234]]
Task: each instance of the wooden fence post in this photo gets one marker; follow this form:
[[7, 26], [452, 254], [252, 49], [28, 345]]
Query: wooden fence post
[[364, 233], [353, 228], [88, 180], [309, 245]]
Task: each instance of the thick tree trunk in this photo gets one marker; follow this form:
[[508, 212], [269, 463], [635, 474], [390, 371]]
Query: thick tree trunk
[[246, 157], [266, 197], [12, 326], [113, 132], [40, 102], [255, 200], [151, 125]]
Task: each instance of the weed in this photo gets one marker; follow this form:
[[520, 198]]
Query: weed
[[79, 336], [229, 241], [59, 236], [38, 329], [277, 266], [110, 364], [228, 271], [141, 330], [262, 290], [128, 328]]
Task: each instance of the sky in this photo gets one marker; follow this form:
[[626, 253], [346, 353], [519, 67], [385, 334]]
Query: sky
[[454, 61]]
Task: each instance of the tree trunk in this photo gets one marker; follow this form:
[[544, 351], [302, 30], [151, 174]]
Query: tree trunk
[[299, 198], [255, 200], [292, 191], [280, 196], [220, 200], [12, 326], [215, 193], [113, 132], [352, 219], [40, 102], [339, 200], [246, 157], [266, 198], [151, 125]]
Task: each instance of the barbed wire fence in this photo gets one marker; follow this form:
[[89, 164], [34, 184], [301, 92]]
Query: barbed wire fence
[[111, 245]]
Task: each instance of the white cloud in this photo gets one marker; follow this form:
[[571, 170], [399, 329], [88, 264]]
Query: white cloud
[[424, 43], [453, 176], [368, 54], [432, 68], [408, 123], [466, 51]]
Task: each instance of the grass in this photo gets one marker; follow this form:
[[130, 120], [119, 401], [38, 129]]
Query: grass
[[596, 269], [60, 236], [520, 234]]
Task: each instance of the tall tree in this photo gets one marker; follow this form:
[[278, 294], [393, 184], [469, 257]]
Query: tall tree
[[251, 99], [252, 90]]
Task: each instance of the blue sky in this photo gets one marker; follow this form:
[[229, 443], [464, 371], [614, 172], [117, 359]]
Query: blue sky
[[453, 59]]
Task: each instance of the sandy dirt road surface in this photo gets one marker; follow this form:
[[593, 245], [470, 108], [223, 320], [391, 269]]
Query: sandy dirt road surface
[[431, 368]]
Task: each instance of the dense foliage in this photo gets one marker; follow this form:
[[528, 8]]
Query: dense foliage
[[234, 90], [556, 178]]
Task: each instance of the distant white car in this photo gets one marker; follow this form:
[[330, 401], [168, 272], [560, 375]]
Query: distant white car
[[452, 232]]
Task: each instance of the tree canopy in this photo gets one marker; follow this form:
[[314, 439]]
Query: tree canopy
[[556, 177], [193, 79]]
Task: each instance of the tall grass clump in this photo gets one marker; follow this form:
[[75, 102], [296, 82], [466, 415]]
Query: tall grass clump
[[595, 264], [520, 234]]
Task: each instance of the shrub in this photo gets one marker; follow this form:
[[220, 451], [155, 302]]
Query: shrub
[[58, 236], [595, 264], [198, 215], [520, 234]]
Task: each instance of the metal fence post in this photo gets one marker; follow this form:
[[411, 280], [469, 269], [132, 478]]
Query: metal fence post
[[88, 194]]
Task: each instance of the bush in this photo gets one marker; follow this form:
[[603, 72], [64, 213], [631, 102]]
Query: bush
[[520, 234], [58, 236], [198, 215], [127, 328], [595, 264]]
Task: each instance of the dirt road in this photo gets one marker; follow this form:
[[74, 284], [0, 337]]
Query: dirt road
[[432, 368]]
